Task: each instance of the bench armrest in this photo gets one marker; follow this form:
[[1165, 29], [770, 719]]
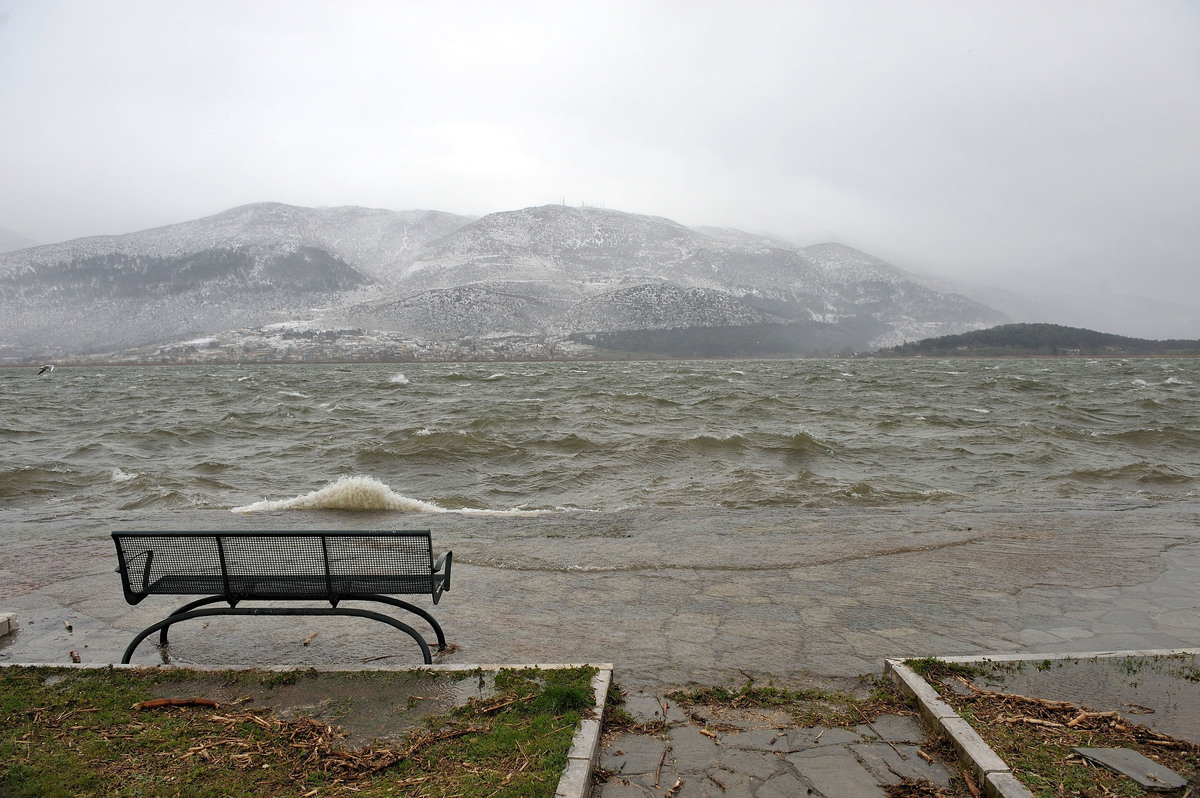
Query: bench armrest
[[123, 567], [446, 559]]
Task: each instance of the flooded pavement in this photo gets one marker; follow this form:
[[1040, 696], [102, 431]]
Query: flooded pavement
[[1061, 587]]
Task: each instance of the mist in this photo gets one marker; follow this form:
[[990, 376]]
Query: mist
[[1046, 151]]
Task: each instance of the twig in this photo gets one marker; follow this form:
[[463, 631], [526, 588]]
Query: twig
[[658, 770], [381, 656], [309, 639], [881, 737], [1010, 719], [1045, 702]]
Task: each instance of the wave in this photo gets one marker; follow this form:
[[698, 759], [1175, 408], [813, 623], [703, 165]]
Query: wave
[[364, 493], [398, 379], [123, 476]]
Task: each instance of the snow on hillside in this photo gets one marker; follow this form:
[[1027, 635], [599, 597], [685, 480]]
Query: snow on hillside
[[549, 270]]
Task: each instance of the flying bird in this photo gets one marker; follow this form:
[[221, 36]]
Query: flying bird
[[46, 369]]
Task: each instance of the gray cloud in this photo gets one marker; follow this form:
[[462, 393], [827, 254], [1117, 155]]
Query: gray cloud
[[1045, 144]]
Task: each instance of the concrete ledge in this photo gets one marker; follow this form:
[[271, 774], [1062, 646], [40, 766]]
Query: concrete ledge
[[8, 623], [1005, 658], [1005, 785], [985, 766], [576, 781]]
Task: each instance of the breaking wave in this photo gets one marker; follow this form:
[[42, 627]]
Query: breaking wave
[[363, 493]]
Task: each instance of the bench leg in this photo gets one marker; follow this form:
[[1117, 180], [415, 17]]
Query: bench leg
[[180, 615], [404, 605], [162, 635]]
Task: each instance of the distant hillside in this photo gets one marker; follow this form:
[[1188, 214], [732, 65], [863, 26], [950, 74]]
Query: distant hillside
[[1040, 339], [606, 281]]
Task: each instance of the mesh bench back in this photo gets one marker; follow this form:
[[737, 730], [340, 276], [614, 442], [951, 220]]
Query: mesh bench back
[[318, 565]]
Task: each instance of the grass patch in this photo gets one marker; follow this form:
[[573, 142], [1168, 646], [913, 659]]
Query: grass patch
[[67, 732]]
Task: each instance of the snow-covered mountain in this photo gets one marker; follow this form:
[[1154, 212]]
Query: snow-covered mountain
[[555, 272]]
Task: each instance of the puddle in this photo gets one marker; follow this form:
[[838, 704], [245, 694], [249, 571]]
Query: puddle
[[369, 705], [1162, 692]]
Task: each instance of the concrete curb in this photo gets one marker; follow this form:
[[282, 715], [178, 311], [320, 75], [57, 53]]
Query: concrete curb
[[576, 780], [8, 623], [984, 764]]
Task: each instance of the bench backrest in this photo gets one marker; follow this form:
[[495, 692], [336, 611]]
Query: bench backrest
[[276, 565]]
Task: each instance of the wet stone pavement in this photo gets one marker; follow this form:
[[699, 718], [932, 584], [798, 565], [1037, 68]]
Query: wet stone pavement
[[753, 753]]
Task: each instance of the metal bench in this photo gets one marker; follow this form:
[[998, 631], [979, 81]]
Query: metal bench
[[234, 567]]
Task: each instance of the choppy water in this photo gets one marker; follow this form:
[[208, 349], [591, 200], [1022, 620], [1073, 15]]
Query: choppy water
[[657, 458], [693, 519], [603, 437]]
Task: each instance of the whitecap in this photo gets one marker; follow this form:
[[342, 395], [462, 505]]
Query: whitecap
[[980, 410], [122, 476], [363, 493], [492, 377], [398, 379], [294, 395]]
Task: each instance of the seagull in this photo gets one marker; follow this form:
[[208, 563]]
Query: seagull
[[46, 369]]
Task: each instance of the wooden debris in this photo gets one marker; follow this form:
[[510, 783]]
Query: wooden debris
[[1046, 702], [881, 737], [155, 703], [1082, 716], [1011, 719], [309, 639], [971, 785]]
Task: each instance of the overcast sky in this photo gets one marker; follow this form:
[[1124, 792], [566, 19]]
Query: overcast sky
[[1056, 140]]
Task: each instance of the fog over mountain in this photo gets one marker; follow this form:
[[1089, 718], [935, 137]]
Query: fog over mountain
[[10, 241], [555, 273]]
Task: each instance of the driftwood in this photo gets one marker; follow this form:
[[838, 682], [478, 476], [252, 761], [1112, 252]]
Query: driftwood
[[1082, 716], [155, 703], [1045, 702], [1011, 719]]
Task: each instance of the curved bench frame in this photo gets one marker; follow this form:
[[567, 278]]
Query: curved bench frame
[[181, 576]]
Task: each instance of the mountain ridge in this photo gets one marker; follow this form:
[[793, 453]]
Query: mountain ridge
[[551, 271]]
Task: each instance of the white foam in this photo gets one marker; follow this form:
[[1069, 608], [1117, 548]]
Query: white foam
[[398, 379], [363, 493], [122, 476]]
